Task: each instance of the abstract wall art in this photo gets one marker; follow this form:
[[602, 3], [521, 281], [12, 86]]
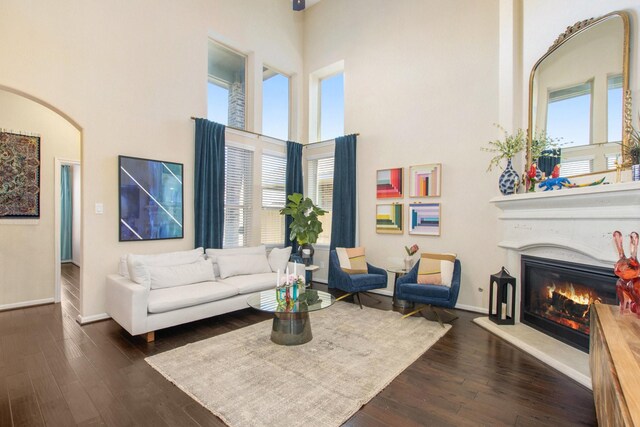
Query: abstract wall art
[[389, 218], [19, 175], [425, 180], [389, 183], [150, 199], [424, 219]]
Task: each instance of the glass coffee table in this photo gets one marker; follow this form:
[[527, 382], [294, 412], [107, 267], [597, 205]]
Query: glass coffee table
[[291, 323]]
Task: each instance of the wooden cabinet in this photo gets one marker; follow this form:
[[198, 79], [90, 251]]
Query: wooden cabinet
[[614, 359]]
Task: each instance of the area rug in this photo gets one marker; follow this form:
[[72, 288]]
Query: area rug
[[246, 380]]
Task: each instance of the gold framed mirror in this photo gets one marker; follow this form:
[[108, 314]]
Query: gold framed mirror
[[579, 95]]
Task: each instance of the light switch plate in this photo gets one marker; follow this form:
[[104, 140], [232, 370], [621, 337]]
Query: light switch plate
[[99, 208]]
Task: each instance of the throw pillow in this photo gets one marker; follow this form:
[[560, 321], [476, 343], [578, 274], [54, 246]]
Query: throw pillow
[[138, 265], [352, 260], [213, 254], [278, 258], [236, 265], [123, 268], [170, 276], [436, 269]]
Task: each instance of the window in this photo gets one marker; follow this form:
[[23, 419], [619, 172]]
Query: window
[[611, 160], [237, 196], [275, 104], [320, 190], [569, 115], [273, 199], [226, 87], [614, 108], [332, 106]]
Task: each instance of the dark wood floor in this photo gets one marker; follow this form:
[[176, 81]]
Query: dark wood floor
[[55, 372]]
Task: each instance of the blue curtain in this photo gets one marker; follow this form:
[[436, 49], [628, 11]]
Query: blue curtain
[[293, 184], [209, 184], [66, 214], [549, 160]]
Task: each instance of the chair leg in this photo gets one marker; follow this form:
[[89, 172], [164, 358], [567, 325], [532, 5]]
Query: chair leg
[[370, 295], [344, 296], [414, 312], [357, 294]]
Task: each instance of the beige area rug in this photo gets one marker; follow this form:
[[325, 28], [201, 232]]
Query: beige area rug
[[247, 380]]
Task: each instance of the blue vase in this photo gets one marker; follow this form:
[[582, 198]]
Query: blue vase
[[509, 180]]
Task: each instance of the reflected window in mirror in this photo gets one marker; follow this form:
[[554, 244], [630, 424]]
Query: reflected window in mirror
[[577, 167], [569, 114], [614, 108]]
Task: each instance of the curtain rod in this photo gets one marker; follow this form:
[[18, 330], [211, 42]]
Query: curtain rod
[[273, 137]]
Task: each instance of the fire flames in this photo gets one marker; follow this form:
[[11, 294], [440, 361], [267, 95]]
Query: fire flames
[[584, 298], [568, 307]]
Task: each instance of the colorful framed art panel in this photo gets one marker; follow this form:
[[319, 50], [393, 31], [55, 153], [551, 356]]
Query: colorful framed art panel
[[424, 219], [19, 175], [425, 180], [150, 205], [389, 218], [389, 183]]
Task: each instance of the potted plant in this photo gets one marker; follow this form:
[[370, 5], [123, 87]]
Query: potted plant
[[305, 225], [505, 149], [542, 145], [631, 152]]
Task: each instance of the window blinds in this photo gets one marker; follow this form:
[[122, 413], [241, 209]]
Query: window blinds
[[320, 190], [273, 199], [237, 196]]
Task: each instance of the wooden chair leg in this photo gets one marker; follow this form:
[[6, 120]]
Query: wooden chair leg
[[150, 336]]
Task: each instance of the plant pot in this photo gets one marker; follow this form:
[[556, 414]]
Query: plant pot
[[306, 252], [635, 172], [509, 180]]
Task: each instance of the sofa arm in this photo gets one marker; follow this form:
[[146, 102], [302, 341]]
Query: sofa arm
[[411, 276], [127, 303]]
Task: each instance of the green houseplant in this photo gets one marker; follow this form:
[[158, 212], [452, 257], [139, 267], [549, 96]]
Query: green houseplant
[[305, 226]]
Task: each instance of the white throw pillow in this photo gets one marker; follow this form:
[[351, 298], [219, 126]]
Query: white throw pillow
[[179, 275], [213, 254], [235, 265], [278, 258], [123, 268], [138, 264]]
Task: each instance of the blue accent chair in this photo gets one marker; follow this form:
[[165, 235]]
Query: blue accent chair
[[408, 288], [375, 278]]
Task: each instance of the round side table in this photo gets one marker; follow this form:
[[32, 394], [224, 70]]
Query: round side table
[[399, 304]]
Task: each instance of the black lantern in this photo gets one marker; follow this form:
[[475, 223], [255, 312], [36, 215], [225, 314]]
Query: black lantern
[[503, 313]]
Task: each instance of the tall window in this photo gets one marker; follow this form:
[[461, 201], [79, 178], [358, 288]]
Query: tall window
[[273, 199], [614, 108], [237, 196], [569, 115], [275, 104], [320, 190], [226, 87], [332, 106]]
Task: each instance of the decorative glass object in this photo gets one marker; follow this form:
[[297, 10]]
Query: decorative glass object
[[628, 271]]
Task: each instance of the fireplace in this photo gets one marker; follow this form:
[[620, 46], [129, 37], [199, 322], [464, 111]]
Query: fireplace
[[557, 295]]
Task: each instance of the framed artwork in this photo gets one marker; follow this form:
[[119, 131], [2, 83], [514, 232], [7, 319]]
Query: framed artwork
[[424, 219], [389, 218], [425, 180], [389, 183], [19, 175], [150, 206]]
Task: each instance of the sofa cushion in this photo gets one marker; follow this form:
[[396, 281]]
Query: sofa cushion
[[168, 276], [123, 268], [167, 299], [252, 282], [279, 258], [139, 264], [236, 265], [213, 254]]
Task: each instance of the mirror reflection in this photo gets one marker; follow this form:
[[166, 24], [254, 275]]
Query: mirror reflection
[[576, 94]]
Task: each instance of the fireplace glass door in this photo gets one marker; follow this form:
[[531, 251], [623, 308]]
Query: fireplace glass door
[[557, 296]]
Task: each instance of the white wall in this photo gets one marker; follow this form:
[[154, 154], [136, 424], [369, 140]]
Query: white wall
[[27, 248], [132, 74], [421, 86]]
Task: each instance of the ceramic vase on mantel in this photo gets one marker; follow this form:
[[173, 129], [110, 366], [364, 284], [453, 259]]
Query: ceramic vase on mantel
[[509, 180]]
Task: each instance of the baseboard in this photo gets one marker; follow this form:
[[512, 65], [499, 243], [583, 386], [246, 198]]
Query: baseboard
[[472, 308], [24, 304], [83, 320]]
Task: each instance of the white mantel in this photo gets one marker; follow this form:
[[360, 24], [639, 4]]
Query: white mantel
[[570, 225]]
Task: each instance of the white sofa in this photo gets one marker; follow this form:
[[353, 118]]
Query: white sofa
[[153, 292]]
